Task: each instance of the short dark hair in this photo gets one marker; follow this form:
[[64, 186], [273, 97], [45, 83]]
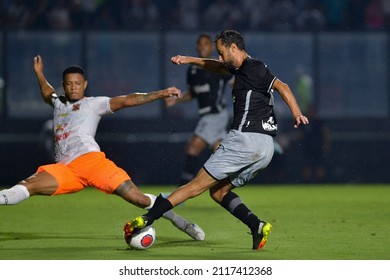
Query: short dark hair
[[205, 36], [228, 37], [73, 69]]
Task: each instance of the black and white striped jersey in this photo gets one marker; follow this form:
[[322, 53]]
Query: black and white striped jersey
[[253, 98], [208, 88]]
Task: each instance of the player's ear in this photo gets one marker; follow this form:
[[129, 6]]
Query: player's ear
[[233, 47], [85, 84], [63, 84]]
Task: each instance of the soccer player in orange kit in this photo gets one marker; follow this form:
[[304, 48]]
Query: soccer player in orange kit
[[79, 161]]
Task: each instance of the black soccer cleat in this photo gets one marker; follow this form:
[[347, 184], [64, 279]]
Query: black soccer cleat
[[261, 235]]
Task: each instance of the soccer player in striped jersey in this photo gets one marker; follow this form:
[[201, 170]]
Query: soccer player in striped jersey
[[247, 149]]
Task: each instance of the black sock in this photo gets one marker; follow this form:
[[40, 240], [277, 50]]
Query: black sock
[[237, 208], [189, 169], [161, 205]]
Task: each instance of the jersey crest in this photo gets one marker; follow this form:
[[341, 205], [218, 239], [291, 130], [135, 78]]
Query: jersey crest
[[270, 124], [76, 107]]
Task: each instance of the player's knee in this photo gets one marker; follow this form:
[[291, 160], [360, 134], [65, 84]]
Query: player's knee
[[217, 195]]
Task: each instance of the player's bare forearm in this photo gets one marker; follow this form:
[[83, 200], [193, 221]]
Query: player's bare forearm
[[288, 97], [46, 88], [137, 99], [212, 65], [140, 98], [290, 100]]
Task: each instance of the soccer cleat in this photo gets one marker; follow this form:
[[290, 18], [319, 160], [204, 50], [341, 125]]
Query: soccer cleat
[[261, 235], [195, 232], [134, 224]]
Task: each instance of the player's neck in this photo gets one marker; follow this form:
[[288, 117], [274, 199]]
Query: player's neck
[[241, 58], [74, 100]]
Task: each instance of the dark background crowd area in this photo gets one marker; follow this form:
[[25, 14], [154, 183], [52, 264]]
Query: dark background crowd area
[[258, 15], [333, 53]]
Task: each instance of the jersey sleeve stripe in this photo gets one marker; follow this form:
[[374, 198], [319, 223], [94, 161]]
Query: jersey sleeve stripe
[[271, 85]]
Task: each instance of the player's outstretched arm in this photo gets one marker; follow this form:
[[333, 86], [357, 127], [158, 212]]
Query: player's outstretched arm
[[46, 88], [136, 99], [288, 97], [212, 65]]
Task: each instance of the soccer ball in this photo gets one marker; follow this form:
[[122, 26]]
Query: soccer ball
[[142, 238]]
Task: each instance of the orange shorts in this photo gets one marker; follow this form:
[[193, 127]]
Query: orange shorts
[[92, 169]]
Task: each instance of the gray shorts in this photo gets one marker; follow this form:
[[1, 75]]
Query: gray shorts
[[240, 157], [212, 127]]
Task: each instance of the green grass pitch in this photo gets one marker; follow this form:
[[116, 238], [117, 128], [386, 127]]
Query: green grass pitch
[[309, 222]]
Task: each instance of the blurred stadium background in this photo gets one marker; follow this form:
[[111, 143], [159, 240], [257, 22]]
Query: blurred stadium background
[[333, 53]]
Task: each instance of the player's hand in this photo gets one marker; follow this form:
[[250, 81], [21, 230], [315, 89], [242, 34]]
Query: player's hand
[[172, 92], [169, 102], [179, 59], [300, 120], [38, 64]]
